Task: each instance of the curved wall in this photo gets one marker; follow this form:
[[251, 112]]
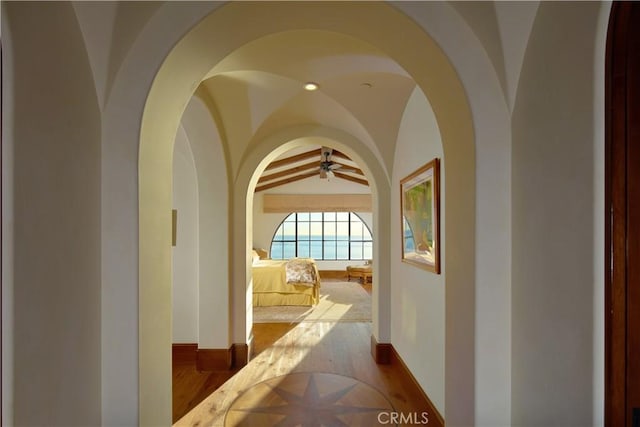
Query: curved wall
[[56, 135]]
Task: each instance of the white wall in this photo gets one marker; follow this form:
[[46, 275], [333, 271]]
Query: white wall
[[266, 224], [554, 202], [185, 252], [213, 228], [56, 137], [418, 296]]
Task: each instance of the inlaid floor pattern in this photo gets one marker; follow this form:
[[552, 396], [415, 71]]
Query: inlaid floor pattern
[[326, 363], [308, 399]]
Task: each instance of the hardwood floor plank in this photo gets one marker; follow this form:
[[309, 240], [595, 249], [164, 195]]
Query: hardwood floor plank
[[313, 347]]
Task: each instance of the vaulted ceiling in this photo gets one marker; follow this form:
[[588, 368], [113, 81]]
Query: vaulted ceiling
[[258, 90]]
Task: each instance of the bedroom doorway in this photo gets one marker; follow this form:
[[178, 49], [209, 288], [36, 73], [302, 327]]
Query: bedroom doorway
[[312, 201]]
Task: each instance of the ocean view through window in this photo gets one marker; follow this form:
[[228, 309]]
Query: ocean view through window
[[322, 236]]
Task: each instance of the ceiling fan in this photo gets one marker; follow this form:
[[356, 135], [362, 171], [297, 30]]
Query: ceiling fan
[[327, 166]]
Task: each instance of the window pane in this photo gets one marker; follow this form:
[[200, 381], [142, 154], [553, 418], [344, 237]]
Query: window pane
[[342, 250], [356, 230], [329, 250], [342, 216], [303, 231], [316, 216], [289, 231], [303, 216], [316, 249], [289, 250], [356, 250], [342, 231], [303, 249], [329, 216], [366, 235], [316, 231], [368, 250], [329, 231]]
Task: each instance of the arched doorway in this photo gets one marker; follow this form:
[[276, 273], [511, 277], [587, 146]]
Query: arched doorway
[[174, 85]]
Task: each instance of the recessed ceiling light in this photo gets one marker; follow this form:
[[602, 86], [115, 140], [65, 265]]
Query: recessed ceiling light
[[311, 86]]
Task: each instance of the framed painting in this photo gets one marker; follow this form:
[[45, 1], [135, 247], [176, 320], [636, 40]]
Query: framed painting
[[420, 216]]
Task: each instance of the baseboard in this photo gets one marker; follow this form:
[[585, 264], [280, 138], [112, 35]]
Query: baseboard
[[435, 418], [333, 274], [213, 359], [381, 352], [184, 353], [239, 355]]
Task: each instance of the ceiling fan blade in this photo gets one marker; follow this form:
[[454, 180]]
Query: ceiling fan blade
[[335, 166], [323, 173]]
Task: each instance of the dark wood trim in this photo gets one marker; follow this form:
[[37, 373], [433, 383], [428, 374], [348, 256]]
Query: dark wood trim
[[622, 215], [184, 353], [435, 418], [381, 352], [213, 359], [239, 355]]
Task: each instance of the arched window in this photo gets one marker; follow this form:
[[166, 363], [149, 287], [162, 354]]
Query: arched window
[[322, 236]]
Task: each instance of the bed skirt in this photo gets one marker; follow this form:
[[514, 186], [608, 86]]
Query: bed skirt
[[306, 296]]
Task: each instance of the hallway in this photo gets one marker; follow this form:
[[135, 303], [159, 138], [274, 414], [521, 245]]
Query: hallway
[[337, 355]]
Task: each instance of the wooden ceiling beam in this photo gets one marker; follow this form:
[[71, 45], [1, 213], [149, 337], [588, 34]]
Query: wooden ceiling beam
[[340, 155], [352, 169], [351, 178], [294, 159], [292, 171], [286, 181]]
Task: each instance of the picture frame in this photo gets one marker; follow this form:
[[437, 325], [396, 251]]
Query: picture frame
[[420, 217]]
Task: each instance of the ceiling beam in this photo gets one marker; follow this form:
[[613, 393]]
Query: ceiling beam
[[293, 159], [351, 169], [351, 178], [292, 171], [340, 155], [286, 181]]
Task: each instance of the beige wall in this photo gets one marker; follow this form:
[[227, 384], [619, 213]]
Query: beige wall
[[55, 136], [556, 237], [185, 253], [418, 297]]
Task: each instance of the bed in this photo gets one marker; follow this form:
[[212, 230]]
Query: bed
[[285, 282]]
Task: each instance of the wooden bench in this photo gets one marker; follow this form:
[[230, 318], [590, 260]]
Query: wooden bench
[[361, 272]]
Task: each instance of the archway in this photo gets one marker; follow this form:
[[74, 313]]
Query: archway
[[172, 88]]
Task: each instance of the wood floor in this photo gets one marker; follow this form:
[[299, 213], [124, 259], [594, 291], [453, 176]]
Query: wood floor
[[309, 373]]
